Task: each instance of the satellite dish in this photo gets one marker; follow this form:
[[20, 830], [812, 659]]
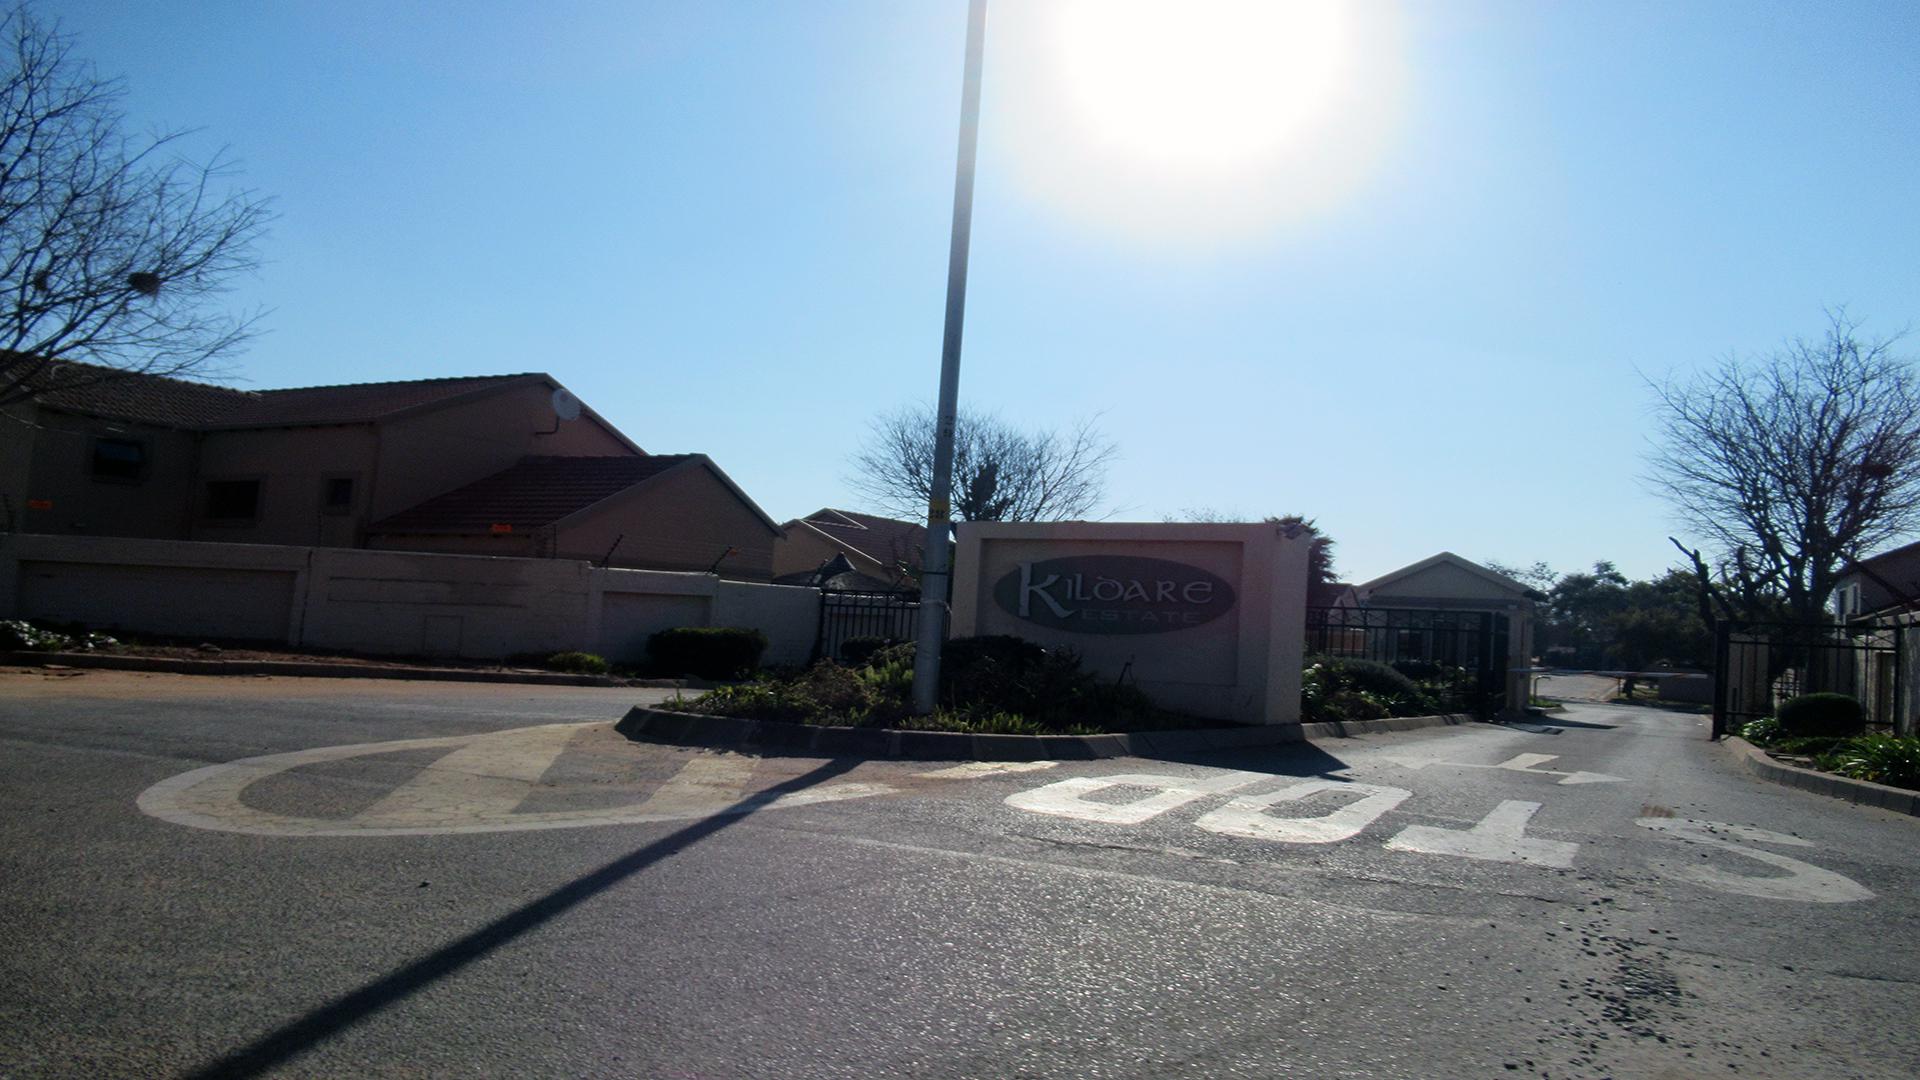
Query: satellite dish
[[565, 405]]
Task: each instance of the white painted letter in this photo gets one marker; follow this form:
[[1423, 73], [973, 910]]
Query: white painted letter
[[1246, 816], [1068, 798], [1803, 882], [1500, 837]]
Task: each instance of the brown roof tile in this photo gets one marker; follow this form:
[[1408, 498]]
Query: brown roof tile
[[195, 405], [354, 402], [148, 399], [535, 491], [890, 542]]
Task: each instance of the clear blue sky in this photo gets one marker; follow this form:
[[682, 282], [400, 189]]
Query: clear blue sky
[[725, 227]]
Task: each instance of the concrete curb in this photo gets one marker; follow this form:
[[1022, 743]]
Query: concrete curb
[[693, 729], [321, 670], [1866, 793]]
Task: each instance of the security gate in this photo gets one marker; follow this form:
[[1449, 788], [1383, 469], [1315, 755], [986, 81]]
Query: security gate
[[848, 615], [1760, 665], [1458, 658]]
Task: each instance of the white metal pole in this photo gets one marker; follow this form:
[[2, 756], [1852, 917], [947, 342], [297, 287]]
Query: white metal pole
[[936, 574]]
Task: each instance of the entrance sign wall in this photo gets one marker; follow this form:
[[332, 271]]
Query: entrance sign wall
[[1208, 619]]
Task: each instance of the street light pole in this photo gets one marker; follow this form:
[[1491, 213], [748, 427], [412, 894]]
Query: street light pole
[[936, 574]]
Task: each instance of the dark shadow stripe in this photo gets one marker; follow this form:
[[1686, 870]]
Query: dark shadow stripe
[[279, 1046]]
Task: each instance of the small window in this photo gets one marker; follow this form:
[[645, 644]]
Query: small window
[[336, 494], [233, 500], [119, 459]]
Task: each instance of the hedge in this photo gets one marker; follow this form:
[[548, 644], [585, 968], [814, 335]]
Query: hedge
[[708, 652]]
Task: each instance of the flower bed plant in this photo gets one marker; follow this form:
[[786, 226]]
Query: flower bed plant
[[988, 685], [1879, 758]]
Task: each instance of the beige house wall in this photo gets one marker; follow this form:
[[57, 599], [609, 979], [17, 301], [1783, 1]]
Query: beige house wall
[[435, 452], [802, 549], [382, 602], [680, 520], [49, 457], [292, 466]]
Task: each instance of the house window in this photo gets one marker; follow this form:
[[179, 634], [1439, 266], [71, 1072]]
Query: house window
[[336, 494], [119, 459], [233, 500]]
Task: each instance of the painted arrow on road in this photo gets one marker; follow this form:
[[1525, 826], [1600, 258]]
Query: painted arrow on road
[[1526, 763]]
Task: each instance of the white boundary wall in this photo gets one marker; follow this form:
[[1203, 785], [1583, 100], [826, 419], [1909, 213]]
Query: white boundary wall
[[383, 602]]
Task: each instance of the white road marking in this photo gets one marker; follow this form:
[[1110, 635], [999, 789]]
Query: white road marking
[[1804, 881], [973, 770], [1500, 837], [1068, 798], [210, 797], [704, 785], [1247, 815], [1526, 763], [487, 777]]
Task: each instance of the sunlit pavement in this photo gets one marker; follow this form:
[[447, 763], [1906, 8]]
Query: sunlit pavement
[[242, 877]]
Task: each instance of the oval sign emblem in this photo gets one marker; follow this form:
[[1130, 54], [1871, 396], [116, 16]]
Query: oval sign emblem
[[1113, 594]]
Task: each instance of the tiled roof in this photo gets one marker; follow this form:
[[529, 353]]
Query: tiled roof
[[194, 405], [148, 399], [353, 402], [889, 542], [533, 492]]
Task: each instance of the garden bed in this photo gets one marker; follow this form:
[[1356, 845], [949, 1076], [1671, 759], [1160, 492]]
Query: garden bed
[[988, 686]]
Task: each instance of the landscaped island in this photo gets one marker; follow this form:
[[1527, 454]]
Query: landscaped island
[[988, 685]]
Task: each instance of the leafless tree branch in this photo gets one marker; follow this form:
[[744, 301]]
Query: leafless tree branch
[[110, 247], [1792, 463], [1000, 473]]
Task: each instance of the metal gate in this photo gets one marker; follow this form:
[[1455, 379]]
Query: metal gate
[[1759, 665], [1458, 658], [848, 615]]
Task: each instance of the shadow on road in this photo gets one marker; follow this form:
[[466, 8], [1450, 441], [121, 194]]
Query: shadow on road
[[310, 1030]]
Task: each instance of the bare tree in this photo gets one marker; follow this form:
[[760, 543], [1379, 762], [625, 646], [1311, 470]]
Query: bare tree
[[1000, 473], [110, 246], [1792, 463]]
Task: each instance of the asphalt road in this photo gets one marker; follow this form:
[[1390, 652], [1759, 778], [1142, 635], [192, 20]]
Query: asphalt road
[[193, 885]]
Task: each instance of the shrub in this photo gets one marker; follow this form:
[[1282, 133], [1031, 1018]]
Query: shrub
[[1882, 759], [709, 652], [1822, 714], [857, 651], [584, 663], [1341, 688], [20, 634], [1762, 732], [987, 684]]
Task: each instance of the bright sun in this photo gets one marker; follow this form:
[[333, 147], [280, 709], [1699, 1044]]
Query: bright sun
[[1194, 118], [1202, 86]]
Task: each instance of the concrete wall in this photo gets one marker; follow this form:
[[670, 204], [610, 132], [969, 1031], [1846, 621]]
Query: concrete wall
[[1230, 650], [383, 602]]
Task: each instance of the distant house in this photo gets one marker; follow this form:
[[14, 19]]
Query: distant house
[[1884, 588], [411, 464], [880, 553]]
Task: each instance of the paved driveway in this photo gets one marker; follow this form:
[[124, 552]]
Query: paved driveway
[[490, 882]]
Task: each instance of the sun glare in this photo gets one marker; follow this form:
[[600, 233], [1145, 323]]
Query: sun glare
[[1201, 86], [1196, 119]]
